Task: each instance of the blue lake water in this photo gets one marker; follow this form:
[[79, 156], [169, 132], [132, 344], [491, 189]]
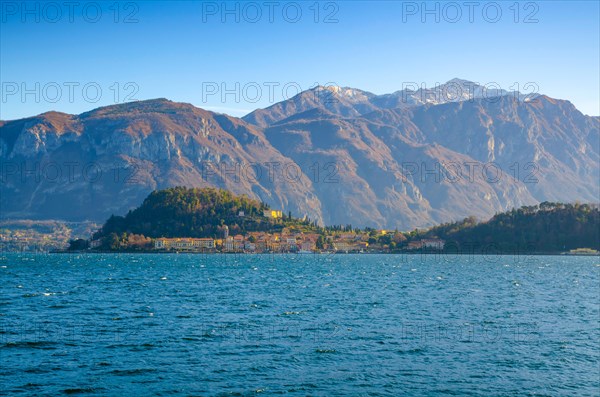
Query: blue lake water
[[388, 325]]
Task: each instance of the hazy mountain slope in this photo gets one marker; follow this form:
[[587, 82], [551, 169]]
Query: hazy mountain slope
[[350, 102], [545, 143], [388, 172], [341, 101]]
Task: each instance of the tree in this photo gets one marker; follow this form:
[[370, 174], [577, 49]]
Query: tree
[[113, 242], [78, 244], [138, 241], [320, 242], [399, 238], [384, 239]]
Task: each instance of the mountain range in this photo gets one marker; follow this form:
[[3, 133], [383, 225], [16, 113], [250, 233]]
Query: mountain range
[[336, 155]]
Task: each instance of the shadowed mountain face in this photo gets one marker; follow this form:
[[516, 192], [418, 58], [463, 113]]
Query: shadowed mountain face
[[337, 155]]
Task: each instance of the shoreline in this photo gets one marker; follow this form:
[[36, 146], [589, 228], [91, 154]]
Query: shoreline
[[439, 253]]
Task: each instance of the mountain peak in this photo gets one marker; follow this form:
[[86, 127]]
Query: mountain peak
[[158, 105], [345, 92], [457, 80]]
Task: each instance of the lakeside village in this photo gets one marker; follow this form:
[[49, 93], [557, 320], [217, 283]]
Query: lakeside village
[[239, 225], [209, 220], [289, 241]]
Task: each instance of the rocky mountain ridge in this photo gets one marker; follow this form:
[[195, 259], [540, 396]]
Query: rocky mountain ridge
[[355, 158]]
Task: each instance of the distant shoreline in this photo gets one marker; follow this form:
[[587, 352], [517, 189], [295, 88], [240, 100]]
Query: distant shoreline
[[439, 253]]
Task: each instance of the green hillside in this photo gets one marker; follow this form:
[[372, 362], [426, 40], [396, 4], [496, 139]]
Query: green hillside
[[548, 227], [194, 212]]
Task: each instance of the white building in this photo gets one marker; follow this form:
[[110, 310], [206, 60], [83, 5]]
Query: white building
[[433, 243]]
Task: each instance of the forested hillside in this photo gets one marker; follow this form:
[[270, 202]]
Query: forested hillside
[[194, 212], [548, 227]]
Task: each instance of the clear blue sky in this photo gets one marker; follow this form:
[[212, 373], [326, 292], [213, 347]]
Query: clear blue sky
[[182, 50]]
